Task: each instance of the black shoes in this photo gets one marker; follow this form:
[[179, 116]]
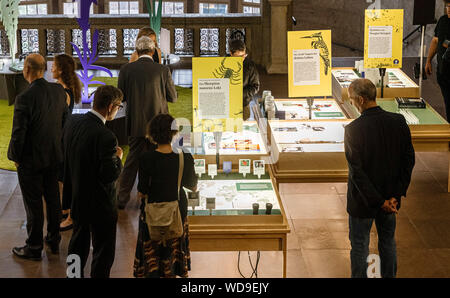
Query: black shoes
[[53, 245], [27, 253]]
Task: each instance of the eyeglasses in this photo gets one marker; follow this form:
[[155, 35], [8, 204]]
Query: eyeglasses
[[120, 106]]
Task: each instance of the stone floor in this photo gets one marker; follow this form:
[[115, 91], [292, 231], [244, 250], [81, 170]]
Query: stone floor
[[318, 244]]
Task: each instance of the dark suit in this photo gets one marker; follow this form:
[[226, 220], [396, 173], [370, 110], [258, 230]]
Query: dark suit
[[147, 87], [91, 169], [39, 115], [380, 158]]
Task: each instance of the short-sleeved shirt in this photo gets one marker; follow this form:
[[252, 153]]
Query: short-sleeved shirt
[[442, 32], [158, 177]]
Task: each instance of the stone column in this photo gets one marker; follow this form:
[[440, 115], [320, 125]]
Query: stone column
[[278, 36]]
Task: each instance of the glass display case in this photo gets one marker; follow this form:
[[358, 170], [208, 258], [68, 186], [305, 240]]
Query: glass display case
[[224, 218], [399, 84], [298, 109], [235, 195], [308, 151], [247, 143]]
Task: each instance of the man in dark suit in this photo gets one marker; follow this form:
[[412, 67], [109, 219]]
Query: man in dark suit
[[380, 158], [92, 164], [147, 86], [35, 148], [250, 75]]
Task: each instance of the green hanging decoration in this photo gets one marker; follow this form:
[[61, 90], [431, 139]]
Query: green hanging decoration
[[155, 16], [9, 16]]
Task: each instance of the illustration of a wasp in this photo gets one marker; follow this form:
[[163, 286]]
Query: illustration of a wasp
[[223, 72], [319, 43]]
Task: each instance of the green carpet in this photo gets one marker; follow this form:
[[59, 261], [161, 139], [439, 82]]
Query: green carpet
[[6, 117], [181, 109]]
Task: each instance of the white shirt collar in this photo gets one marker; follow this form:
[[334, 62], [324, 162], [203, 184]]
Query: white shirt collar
[[146, 56], [98, 115]]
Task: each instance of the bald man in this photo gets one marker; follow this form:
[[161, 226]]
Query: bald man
[[380, 159], [35, 148]]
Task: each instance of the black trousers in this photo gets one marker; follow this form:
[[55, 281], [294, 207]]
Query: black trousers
[[444, 83], [138, 145], [35, 184], [103, 234]]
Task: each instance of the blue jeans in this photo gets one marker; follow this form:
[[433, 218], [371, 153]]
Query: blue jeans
[[359, 238]]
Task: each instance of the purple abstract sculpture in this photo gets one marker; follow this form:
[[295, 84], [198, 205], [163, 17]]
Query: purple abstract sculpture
[[87, 56]]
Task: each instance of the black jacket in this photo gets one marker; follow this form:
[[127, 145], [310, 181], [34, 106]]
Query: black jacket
[[147, 87], [91, 168], [380, 158], [251, 80], [39, 115]]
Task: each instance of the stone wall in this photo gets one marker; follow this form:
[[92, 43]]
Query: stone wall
[[346, 19]]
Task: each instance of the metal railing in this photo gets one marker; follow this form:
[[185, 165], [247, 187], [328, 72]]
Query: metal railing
[[190, 34]]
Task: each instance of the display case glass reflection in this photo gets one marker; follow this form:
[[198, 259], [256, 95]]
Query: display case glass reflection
[[246, 142], [236, 197], [299, 110], [309, 136]]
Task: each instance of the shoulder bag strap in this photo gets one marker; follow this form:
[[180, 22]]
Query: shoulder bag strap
[[180, 170]]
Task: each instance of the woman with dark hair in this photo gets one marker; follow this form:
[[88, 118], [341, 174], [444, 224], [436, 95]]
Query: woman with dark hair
[[158, 181], [63, 71], [147, 31]]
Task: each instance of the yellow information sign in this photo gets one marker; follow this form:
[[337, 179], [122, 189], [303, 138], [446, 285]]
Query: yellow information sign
[[309, 62], [383, 41], [217, 93]]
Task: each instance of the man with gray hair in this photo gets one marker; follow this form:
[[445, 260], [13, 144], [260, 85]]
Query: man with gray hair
[[380, 159], [147, 86]]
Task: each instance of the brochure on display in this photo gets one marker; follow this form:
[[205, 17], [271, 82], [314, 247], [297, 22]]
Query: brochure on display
[[299, 110], [237, 194]]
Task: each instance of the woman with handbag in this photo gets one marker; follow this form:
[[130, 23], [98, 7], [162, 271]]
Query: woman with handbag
[[162, 248]]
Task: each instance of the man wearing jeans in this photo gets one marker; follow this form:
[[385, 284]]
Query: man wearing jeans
[[380, 159]]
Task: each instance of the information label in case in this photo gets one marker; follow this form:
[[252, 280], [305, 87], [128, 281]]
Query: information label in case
[[199, 167], [259, 168], [212, 170], [244, 166]]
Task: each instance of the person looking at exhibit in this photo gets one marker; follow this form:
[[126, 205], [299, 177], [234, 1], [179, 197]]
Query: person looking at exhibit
[[380, 158], [92, 165], [35, 147], [147, 86], [162, 176], [63, 70], [438, 47], [149, 32], [250, 75]]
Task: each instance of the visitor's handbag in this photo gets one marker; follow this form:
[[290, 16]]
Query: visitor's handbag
[[164, 219]]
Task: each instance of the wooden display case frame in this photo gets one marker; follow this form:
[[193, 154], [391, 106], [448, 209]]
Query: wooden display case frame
[[241, 232]]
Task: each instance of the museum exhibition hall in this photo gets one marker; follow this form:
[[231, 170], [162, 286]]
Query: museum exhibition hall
[[267, 96]]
